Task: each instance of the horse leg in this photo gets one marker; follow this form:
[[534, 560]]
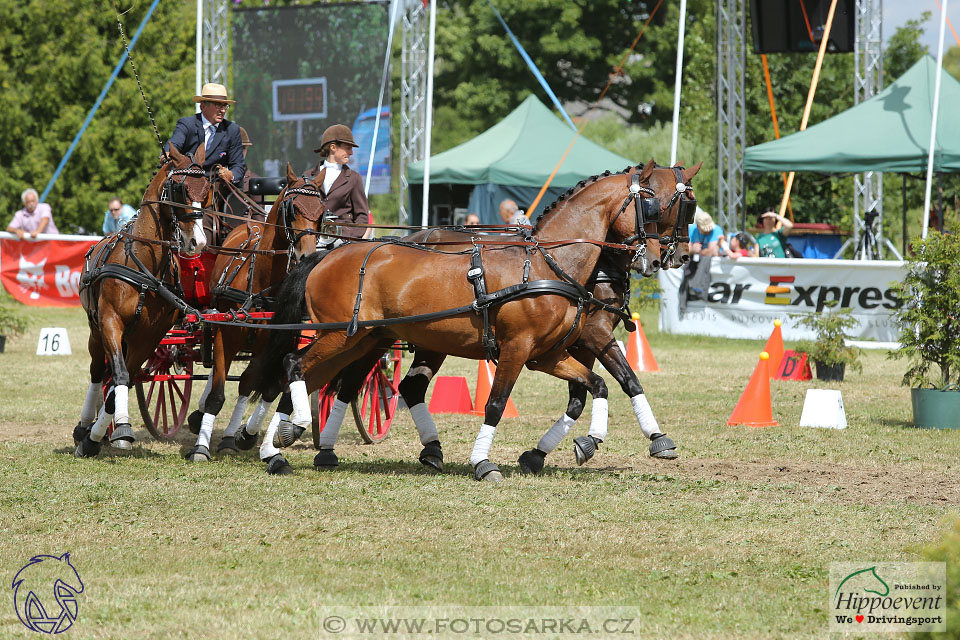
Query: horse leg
[[93, 401], [413, 390], [277, 465], [200, 452], [196, 416], [508, 370], [246, 436]]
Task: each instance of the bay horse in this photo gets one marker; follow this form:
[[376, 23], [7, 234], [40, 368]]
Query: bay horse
[[129, 289], [609, 284], [261, 255], [404, 281]]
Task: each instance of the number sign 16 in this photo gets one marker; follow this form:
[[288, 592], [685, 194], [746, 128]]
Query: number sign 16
[[54, 341]]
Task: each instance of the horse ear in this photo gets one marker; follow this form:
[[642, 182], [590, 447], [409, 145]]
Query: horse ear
[[200, 154], [692, 171], [648, 170], [291, 174], [174, 154]]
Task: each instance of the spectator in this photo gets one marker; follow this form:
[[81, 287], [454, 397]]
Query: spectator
[[116, 215], [738, 247], [771, 241], [704, 235], [471, 220], [510, 213], [34, 218]]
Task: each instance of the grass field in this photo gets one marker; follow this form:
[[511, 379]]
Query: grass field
[[734, 539]]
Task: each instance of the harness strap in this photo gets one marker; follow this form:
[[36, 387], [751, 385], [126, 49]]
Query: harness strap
[[475, 276], [354, 323]]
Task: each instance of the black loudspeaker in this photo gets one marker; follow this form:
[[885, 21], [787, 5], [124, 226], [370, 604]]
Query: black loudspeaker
[[267, 186], [784, 26]]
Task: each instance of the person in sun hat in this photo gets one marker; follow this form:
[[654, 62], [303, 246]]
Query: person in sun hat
[[210, 127], [341, 186]]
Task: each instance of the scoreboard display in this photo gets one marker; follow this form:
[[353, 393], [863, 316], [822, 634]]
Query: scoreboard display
[[300, 99]]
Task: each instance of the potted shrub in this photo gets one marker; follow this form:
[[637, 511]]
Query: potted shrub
[[11, 324], [829, 351], [930, 330]]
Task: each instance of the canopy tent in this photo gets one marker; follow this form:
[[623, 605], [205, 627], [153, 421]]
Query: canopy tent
[[890, 132], [513, 158]]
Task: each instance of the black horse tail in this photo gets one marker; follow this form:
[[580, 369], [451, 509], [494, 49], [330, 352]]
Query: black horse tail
[[290, 307]]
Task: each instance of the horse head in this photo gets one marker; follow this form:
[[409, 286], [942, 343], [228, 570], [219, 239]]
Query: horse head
[[45, 576], [301, 212], [189, 185], [677, 211]]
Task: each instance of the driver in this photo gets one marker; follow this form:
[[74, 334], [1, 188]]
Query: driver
[[341, 186]]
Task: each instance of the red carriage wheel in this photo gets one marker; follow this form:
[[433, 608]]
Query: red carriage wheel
[[163, 390], [379, 396], [323, 401]]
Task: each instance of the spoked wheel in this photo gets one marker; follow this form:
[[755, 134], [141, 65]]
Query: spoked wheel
[[323, 401], [164, 395], [379, 397]]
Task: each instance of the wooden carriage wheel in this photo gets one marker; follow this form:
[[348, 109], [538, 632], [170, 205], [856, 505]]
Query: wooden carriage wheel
[[164, 393]]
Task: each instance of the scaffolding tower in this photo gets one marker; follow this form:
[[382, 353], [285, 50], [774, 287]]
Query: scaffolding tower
[[413, 95], [731, 114], [216, 30]]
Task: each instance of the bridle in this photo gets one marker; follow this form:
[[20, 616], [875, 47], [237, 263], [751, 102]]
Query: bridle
[[687, 209], [174, 191], [288, 211]]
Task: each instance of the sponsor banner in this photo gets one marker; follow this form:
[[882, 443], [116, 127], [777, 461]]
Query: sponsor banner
[[44, 273], [745, 297]]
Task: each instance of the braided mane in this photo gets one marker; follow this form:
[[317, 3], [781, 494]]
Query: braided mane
[[579, 187]]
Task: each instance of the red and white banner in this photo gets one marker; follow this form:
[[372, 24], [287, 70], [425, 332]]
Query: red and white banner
[[44, 272]]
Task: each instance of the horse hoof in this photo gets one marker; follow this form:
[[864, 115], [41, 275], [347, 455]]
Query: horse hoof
[[488, 472], [584, 447], [663, 447], [228, 445], [325, 459], [245, 441], [196, 417], [287, 434], [80, 432], [432, 456], [277, 465], [87, 448], [122, 436], [198, 453], [531, 462]]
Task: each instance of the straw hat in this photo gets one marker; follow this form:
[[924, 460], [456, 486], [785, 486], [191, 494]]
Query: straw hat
[[213, 92], [339, 133], [704, 221]]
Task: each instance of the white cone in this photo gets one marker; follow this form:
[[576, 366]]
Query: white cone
[[823, 408]]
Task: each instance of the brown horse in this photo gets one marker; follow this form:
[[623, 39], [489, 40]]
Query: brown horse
[[128, 286], [238, 279], [609, 283], [403, 281]]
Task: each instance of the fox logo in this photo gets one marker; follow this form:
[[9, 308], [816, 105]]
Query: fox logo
[[30, 277], [56, 581]]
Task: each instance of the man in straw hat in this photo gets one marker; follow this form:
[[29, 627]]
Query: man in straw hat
[[341, 186]]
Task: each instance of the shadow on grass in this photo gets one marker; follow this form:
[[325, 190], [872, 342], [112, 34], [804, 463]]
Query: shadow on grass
[[112, 453], [894, 422]]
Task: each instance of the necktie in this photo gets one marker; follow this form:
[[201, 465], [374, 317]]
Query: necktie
[[208, 134]]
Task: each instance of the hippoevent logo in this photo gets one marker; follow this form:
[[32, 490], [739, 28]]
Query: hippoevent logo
[[888, 597], [45, 593], [783, 290]]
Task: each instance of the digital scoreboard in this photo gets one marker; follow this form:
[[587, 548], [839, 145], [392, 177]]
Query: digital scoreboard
[[300, 99]]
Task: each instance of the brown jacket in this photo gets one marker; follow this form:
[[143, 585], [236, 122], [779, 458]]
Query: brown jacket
[[346, 199]]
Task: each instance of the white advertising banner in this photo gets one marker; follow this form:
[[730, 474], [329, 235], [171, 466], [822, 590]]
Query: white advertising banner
[[745, 296]]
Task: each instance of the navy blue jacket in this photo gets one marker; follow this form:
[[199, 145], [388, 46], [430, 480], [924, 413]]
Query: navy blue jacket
[[225, 149]]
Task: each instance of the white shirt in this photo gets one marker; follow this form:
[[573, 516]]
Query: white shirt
[[208, 130], [333, 172]]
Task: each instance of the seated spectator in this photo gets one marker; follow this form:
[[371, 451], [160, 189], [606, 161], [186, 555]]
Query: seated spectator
[[34, 218], [738, 247], [771, 241], [117, 215], [511, 214], [471, 220], [704, 235]]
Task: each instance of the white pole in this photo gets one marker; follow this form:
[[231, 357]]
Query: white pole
[[425, 216], [677, 83], [933, 123], [383, 83], [199, 70]]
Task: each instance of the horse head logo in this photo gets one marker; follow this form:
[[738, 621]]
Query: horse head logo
[[45, 593], [867, 580], [30, 277]]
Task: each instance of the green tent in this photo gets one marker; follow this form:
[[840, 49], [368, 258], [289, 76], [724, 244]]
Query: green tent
[[514, 158], [889, 132]]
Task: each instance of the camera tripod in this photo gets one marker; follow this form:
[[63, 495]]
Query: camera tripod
[[868, 248]]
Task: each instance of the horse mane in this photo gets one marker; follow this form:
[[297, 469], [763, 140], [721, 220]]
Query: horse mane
[[577, 188]]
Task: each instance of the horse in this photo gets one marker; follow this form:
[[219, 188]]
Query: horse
[[130, 289], [407, 279], [243, 278], [609, 283]]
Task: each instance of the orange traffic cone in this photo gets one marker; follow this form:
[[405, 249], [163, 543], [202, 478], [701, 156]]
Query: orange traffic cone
[[639, 355], [774, 348], [484, 380], [754, 409]]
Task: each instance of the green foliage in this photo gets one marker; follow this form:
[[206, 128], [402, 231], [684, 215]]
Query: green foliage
[[644, 292], [930, 316], [12, 322], [830, 347], [947, 549]]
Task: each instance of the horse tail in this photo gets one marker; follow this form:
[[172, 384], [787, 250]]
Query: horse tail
[[290, 307]]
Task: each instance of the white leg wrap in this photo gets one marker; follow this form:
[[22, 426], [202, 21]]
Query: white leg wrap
[[267, 450], [206, 429], [301, 404], [481, 448], [92, 403], [99, 428], [256, 418], [598, 419], [237, 417], [121, 413], [206, 390], [331, 428], [557, 432], [424, 421], [641, 408]]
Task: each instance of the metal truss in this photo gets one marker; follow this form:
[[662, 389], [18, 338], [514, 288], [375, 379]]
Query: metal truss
[[413, 95], [216, 30], [731, 114]]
